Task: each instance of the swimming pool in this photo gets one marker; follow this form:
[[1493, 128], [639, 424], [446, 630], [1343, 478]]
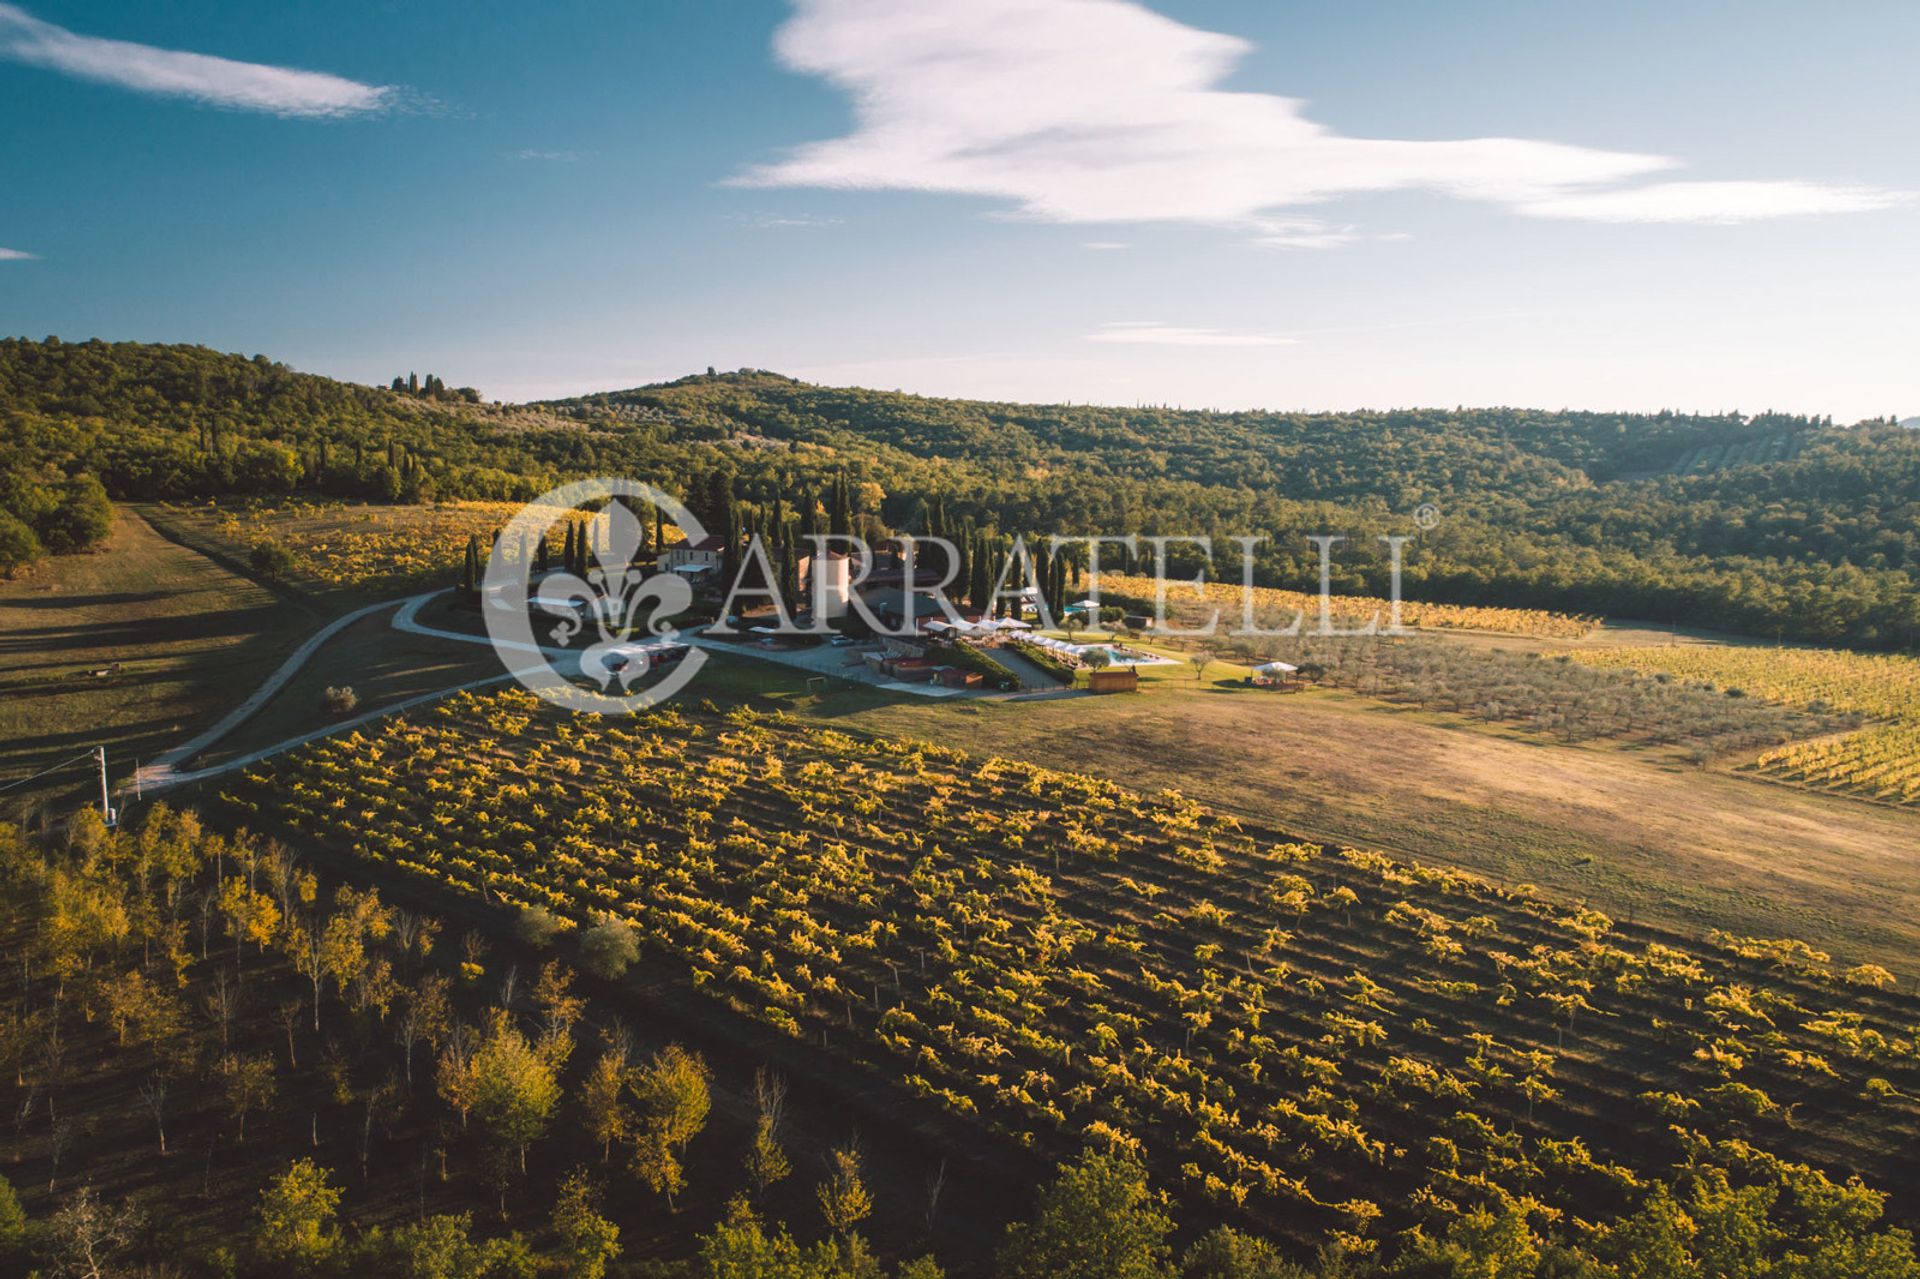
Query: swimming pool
[[1121, 656]]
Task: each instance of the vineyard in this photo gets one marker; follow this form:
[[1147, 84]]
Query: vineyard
[[1568, 701], [1329, 1044], [1881, 761], [385, 549], [1277, 607], [380, 550]]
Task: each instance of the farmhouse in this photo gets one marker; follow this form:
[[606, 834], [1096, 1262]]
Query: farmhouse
[[690, 558], [828, 579], [898, 609]]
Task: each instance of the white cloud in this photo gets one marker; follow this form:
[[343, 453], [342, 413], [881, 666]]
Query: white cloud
[[1153, 333], [15, 255], [1720, 202], [1102, 111], [774, 221], [241, 86], [554, 157], [1106, 246], [1307, 233]]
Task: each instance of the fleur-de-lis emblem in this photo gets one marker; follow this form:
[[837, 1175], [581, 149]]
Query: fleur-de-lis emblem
[[617, 595], [626, 604]]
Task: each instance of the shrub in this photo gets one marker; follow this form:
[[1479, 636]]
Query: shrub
[[18, 546], [538, 926], [609, 948], [339, 701], [1046, 659], [969, 658], [81, 517], [13, 1223], [273, 561]]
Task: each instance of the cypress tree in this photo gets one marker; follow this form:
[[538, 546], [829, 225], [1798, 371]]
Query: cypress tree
[[719, 499], [729, 543], [470, 573], [1043, 573], [982, 581], [838, 522]]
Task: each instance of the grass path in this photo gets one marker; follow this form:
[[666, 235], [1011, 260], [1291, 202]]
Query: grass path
[[163, 769]]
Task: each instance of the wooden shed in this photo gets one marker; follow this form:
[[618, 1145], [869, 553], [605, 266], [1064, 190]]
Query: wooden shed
[[1114, 679]]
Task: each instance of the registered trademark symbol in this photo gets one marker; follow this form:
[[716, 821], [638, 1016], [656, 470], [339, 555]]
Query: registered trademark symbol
[[1426, 515]]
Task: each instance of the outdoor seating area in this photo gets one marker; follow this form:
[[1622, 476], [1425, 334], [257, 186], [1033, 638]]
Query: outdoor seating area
[[1282, 677]]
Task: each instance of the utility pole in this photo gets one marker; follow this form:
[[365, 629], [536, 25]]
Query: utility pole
[[106, 803]]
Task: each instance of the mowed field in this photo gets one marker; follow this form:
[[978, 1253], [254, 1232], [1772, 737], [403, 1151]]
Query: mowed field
[[1637, 833], [190, 636]]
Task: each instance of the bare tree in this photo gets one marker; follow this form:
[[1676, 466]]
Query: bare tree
[[290, 1018], [426, 1016], [936, 1182], [206, 919], [406, 931], [375, 1104], [87, 1236], [283, 877], [153, 1092], [223, 1004], [58, 1139], [508, 985], [767, 1161]]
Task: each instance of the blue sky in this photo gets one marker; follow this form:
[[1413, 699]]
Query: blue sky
[[1234, 204]]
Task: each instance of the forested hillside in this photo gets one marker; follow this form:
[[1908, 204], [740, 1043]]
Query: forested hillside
[[1573, 511], [1579, 512]]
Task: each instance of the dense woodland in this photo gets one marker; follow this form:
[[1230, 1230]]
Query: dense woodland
[[1600, 513]]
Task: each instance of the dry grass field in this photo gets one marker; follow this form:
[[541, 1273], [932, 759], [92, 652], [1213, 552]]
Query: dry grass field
[[188, 636], [1639, 833]]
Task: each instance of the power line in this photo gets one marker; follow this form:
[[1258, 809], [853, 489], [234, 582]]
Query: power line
[[77, 759], [97, 755]]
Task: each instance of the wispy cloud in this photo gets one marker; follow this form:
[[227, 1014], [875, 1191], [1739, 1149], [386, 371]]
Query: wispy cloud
[[551, 157], [15, 255], [775, 221], [1153, 333], [220, 82], [1102, 111], [1721, 202], [1105, 246]]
